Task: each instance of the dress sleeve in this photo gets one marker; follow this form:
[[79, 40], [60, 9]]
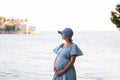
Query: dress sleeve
[[75, 50], [57, 48]]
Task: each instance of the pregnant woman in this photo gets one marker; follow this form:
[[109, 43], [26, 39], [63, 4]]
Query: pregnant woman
[[66, 56]]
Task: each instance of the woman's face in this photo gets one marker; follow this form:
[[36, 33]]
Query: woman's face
[[64, 37]]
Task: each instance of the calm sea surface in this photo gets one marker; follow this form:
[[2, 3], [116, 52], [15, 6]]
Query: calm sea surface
[[30, 56]]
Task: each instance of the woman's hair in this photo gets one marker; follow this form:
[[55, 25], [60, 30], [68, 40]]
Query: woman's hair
[[70, 40]]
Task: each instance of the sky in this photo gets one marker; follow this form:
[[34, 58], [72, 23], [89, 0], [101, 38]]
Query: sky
[[52, 15]]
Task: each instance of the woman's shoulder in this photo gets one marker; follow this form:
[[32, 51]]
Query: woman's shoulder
[[75, 50], [74, 44], [60, 45]]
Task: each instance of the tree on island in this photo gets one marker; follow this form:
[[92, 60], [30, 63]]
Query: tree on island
[[115, 16], [9, 27]]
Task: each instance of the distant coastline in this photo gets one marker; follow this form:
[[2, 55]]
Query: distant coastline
[[16, 26]]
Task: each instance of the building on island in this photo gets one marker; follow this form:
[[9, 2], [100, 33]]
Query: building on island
[[18, 26]]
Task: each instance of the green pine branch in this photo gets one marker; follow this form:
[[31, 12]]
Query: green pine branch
[[115, 16]]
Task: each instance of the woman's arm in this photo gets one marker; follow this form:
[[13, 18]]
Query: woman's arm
[[68, 66]]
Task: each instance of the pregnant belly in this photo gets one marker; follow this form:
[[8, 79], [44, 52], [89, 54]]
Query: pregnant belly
[[61, 64]]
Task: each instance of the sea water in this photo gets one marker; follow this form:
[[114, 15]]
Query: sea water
[[30, 56]]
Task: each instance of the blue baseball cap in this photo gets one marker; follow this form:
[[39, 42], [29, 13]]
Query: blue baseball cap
[[68, 32]]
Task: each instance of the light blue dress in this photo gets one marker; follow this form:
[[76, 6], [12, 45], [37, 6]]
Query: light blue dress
[[63, 57]]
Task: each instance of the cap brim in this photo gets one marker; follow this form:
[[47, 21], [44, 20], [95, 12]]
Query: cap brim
[[59, 32]]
